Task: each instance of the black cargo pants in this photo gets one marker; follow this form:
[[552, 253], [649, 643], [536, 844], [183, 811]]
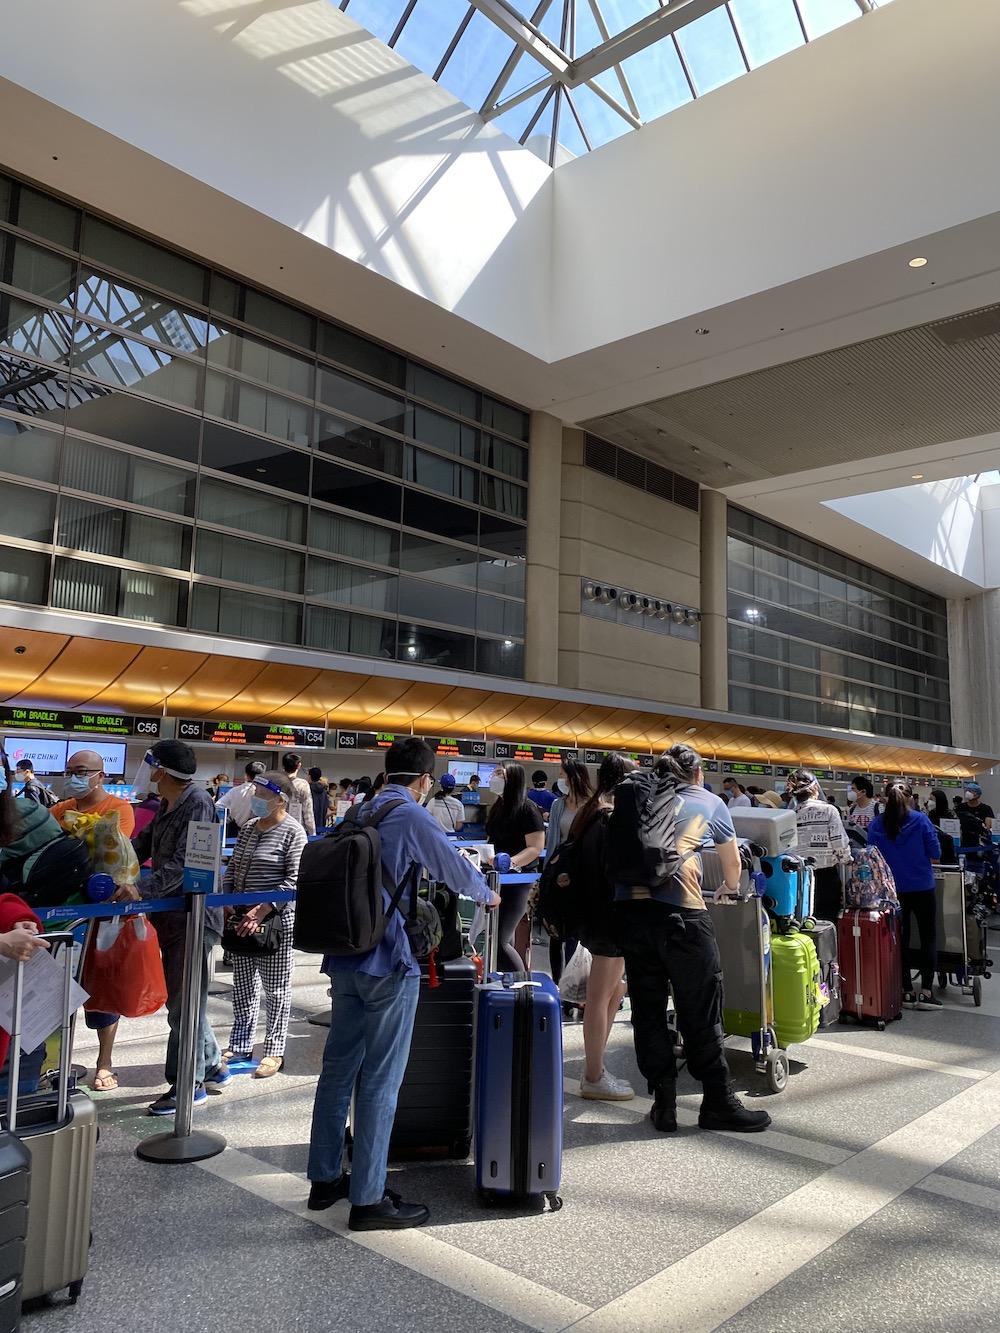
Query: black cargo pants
[[674, 948]]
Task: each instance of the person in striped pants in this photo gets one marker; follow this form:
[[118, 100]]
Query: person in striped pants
[[265, 858]]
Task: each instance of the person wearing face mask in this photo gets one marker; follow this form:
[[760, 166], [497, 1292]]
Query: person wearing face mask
[[265, 859], [573, 791], [84, 791], [172, 766], [540, 794], [862, 807], [374, 1004], [515, 826]]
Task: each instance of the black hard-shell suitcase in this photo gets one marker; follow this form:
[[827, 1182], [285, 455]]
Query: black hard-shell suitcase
[[824, 936], [434, 1110], [15, 1178]]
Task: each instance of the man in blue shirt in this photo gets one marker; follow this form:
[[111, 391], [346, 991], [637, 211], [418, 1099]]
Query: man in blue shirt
[[540, 793], [374, 1003]]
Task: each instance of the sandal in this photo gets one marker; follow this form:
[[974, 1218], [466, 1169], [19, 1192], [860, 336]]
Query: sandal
[[106, 1082], [269, 1066]]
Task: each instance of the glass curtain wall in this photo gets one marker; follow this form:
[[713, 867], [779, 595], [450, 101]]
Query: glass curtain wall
[[819, 638], [180, 448]]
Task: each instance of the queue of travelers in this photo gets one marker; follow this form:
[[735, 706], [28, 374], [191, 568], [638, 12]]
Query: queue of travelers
[[648, 942]]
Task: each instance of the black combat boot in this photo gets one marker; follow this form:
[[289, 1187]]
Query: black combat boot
[[722, 1109], [664, 1112]]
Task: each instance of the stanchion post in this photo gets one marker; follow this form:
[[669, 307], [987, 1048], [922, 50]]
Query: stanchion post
[[182, 1143]]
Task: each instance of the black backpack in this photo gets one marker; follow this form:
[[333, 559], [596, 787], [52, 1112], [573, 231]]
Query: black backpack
[[338, 900], [38, 792], [59, 874], [642, 831], [556, 889]]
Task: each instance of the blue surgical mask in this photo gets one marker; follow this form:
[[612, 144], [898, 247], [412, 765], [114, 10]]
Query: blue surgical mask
[[76, 786], [260, 808]]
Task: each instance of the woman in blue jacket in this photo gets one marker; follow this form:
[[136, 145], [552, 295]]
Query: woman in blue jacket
[[909, 842]]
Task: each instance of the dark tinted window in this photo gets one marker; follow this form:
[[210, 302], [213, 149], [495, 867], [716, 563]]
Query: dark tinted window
[[355, 490], [440, 474], [499, 657], [44, 216], [499, 575], [354, 443], [32, 269], [116, 474], [436, 647], [442, 432], [263, 565], [360, 400], [433, 601], [350, 585], [27, 514], [440, 517], [350, 349], [251, 511], [134, 421], [126, 363], [500, 535], [494, 615], [502, 417], [447, 393], [102, 530], [435, 560], [29, 451], [504, 496], [255, 459], [258, 408], [503, 456], [352, 537], [347, 632], [261, 360], [143, 259], [245, 615], [24, 576]]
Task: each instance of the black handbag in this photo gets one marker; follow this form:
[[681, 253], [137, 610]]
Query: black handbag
[[265, 940]]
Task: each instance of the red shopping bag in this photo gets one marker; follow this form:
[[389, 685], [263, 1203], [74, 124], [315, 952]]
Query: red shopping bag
[[122, 971]]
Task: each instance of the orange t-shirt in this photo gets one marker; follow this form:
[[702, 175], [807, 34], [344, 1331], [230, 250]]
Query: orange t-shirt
[[126, 815]]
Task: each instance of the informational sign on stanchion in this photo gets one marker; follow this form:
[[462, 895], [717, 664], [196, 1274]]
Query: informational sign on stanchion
[[202, 860]]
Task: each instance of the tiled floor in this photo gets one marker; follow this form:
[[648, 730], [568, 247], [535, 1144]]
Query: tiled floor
[[874, 1202]]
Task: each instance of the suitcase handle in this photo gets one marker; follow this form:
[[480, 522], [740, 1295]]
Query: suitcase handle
[[66, 940], [491, 929]]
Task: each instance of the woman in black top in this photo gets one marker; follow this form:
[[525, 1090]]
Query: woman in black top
[[938, 809], [515, 826]]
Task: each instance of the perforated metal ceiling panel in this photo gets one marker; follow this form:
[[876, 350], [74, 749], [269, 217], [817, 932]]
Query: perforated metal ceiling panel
[[923, 386]]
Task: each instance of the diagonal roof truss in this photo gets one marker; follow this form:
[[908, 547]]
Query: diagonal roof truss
[[569, 75]]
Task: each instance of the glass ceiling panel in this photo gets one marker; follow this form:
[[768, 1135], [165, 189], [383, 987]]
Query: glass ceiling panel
[[462, 48]]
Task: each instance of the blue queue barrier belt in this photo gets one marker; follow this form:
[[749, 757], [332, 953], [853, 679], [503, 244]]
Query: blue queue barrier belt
[[145, 906]]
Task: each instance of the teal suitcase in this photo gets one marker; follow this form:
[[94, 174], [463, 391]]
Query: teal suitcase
[[797, 995]]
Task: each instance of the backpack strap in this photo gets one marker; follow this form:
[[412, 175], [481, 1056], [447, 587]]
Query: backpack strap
[[395, 891]]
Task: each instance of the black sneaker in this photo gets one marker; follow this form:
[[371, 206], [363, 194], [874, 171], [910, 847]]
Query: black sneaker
[[926, 1000], [391, 1214], [664, 1112], [910, 999], [325, 1193], [722, 1109]]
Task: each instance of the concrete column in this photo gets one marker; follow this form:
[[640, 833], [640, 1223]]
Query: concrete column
[[714, 603], [541, 634], [974, 653]]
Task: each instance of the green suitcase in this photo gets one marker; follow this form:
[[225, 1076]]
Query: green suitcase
[[796, 974]]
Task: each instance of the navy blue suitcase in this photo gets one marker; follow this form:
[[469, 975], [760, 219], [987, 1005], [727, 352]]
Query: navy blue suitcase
[[518, 1089]]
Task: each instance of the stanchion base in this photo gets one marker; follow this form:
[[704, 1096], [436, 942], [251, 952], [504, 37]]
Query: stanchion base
[[199, 1145], [321, 1018]]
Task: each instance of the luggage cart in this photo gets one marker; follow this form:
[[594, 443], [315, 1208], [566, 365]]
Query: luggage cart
[[961, 939], [743, 932]]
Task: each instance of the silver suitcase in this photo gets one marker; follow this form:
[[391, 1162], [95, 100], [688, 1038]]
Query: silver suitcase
[[59, 1129]]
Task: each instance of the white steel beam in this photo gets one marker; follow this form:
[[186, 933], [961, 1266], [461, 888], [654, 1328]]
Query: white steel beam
[[527, 37], [653, 28]]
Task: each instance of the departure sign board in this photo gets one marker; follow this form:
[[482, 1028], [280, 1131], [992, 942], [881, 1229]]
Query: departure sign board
[[450, 747], [251, 735], [750, 770], [84, 724], [369, 740], [525, 752], [598, 756]]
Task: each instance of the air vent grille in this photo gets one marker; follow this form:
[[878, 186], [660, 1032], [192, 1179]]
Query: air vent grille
[[983, 323], [634, 470]]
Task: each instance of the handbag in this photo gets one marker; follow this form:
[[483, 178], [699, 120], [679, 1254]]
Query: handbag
[[266, 939]]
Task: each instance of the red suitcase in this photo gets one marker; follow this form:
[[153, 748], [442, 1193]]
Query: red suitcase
[[871, 985]]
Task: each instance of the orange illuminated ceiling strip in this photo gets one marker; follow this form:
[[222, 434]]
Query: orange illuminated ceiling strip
[[109, 667]]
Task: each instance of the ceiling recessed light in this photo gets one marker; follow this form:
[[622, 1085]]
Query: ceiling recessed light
[[262, 469], [690, 731], [701, 332], [918, 476], [918, 262]]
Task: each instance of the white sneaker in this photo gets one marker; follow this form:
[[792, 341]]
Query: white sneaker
[[607, 1089]]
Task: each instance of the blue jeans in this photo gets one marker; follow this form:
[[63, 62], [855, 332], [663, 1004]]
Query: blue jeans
[[369, 1042], [171, 930]]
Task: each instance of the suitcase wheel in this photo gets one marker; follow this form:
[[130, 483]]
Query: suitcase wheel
[[880, 1025], [777, 1071], [75, 1288], [461, 1148]]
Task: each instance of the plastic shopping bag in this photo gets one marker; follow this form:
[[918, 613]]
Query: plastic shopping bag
[[122, 969], [111, 853], [576, 974]]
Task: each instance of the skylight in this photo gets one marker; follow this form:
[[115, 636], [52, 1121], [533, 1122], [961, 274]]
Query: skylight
[[567, 76]]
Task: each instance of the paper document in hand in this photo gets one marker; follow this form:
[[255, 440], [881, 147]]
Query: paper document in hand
[[41, 999]]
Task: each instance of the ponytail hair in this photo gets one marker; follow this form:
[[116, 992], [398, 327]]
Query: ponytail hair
[[613, 770], [897, 807], [680, 762]]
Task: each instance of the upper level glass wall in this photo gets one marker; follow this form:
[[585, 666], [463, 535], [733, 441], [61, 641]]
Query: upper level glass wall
[[248, 466]]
